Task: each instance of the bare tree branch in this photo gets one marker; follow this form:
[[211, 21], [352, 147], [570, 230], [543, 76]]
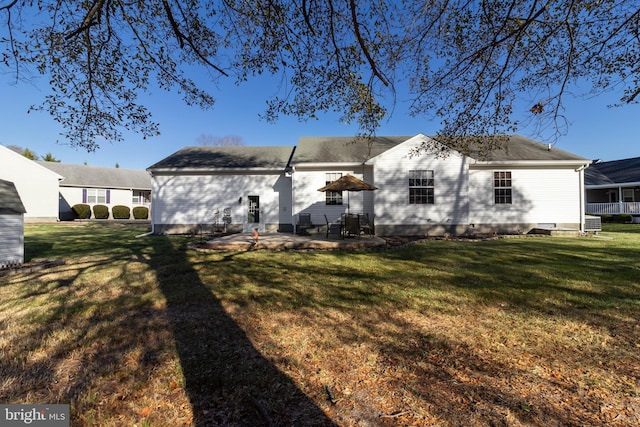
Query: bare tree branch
[[365, 50]]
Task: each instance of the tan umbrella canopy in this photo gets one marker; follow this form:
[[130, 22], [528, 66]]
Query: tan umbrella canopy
[[348, 183]]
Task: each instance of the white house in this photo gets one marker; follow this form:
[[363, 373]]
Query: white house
[[521, 186], [238, 187], [11, 225], [99, 185], [36, 185]]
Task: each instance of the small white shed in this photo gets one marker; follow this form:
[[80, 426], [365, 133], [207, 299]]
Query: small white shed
[[11, 225]]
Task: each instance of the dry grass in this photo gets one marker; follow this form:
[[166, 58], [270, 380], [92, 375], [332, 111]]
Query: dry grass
[[513, 332]]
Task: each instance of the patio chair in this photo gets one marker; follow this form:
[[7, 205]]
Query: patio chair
[[333, 228], [351, 225], [304, 223], [366, 226]]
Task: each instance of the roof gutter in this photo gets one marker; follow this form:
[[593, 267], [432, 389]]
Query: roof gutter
[[613, 184], [329, 165], [213, 170], [572, 163]]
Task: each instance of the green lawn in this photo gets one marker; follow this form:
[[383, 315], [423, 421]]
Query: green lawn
[[142, 330]]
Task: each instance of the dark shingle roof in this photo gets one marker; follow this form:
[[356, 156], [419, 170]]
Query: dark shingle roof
[[234, 157], [520, 148], [10, 199], [613, 172], [342, 149], [348, 149], [101, 177]]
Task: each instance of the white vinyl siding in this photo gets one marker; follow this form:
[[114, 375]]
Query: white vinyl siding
[[11, 239], [539, 195], [450, 194], [36, 185], [194, 199]]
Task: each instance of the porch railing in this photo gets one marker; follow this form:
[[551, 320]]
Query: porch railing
[[614, 208]]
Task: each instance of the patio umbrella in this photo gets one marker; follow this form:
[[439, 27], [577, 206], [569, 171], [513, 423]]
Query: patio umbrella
[[348, 183]]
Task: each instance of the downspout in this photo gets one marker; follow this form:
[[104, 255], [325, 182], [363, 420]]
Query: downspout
[[147, 234], [291, 170]]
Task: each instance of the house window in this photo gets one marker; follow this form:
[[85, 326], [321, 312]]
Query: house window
[[627, 195], [421, 187], [96, 195], [141, 198], [333, 197], [502, 187]]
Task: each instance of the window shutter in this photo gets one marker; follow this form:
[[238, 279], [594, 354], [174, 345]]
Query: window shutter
[[84, 195], [108, 196]]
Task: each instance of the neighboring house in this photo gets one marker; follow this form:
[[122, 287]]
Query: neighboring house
[[240, 187], [522, 186], [613, 187], [36, 185], [94, 185], [11, 225]]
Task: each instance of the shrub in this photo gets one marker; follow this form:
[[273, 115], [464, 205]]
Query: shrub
[[623, 218], [100, 212], [120, 212], [606, 218], [141, 212], [82, 210]]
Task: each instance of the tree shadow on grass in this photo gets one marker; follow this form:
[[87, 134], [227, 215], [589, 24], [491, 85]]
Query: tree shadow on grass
[[93, 333], [227, 380]]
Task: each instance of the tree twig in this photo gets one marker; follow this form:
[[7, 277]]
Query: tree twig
[[395, 414]]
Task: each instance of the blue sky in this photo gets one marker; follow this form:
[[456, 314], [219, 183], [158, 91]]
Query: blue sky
[[595, 130]]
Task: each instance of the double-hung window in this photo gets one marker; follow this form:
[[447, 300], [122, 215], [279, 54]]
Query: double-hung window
[[96, 195], [421, 187], [333, 197], [502, 187]]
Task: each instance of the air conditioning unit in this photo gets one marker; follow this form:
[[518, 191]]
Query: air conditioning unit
[[592, 223]]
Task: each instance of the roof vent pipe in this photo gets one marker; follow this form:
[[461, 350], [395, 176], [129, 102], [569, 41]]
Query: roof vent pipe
[[549, 147]]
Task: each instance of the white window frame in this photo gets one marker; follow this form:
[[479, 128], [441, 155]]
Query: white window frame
[[96, 196], [422, 187], [332, 198], [502, 187]]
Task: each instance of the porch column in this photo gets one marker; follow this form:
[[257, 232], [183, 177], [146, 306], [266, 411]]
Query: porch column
[[620, 202]]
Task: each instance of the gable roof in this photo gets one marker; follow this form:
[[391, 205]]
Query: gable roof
[[514, 148], [613, 172], [10, 199], [99, 177], [200, 158]]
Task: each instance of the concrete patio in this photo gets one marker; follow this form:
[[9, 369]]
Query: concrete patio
[[288, 241]]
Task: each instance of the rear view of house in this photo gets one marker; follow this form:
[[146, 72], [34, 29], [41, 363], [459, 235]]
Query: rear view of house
[[11, 225], [519, 186]]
